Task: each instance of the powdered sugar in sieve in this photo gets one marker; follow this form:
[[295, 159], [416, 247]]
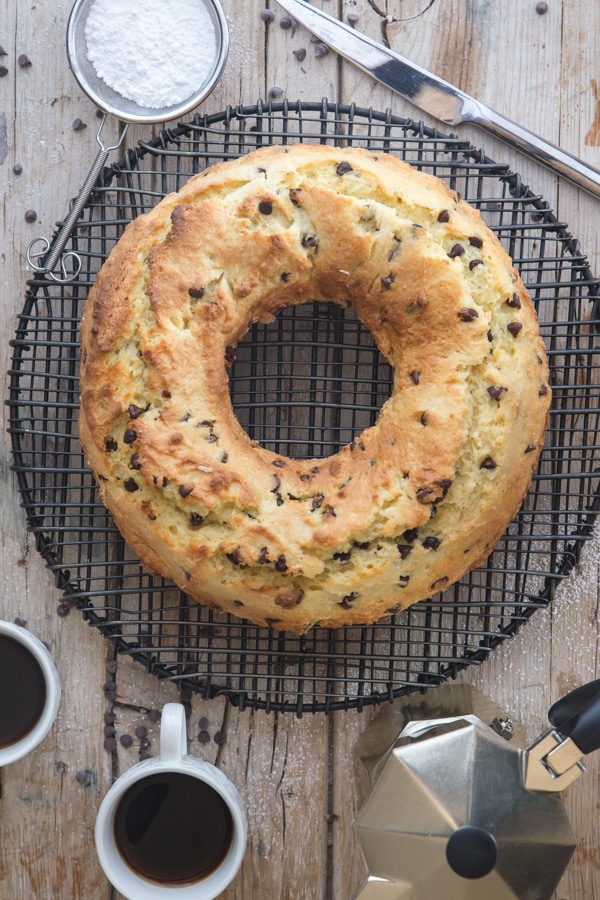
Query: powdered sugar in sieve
[[155, 53]]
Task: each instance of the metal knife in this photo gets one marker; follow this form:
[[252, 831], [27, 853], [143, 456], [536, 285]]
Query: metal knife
[[435, 96]]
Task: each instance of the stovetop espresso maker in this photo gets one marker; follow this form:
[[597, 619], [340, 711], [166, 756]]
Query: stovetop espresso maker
[[457, 812]]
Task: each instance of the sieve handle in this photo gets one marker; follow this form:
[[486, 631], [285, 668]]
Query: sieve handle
[[47, 266]]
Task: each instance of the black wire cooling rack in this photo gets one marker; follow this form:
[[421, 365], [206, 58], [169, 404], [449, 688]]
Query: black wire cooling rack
[[304, 386]]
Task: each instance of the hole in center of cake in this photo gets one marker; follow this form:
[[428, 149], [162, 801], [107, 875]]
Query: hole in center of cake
[[310, 382]]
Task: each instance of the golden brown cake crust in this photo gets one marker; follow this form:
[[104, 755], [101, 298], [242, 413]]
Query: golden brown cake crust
[[413, 502]]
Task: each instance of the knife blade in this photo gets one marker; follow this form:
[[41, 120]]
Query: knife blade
[[435, 96]]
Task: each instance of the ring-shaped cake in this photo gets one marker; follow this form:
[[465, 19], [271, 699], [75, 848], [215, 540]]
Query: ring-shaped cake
[[407, 507]]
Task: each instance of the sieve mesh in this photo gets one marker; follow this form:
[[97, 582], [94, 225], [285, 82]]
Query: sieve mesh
[[114, 103]]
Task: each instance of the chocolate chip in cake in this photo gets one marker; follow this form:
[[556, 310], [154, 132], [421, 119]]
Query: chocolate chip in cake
[[277, 484], [263, 556], [529, 448], [423, 420], [196, 519], [130, 436], [457, 250], [467, 314], [476, 241], [444, 216], [265, 207], [426, 495], [404, 550], [445, 484], [410, 535], [431, 543], [110, 445], [309, 240], [403, 580], [488, 463], [514, 328], [131, 485], [196, 293], [496, 391], [136, 411], [543, 390], [134, 461], [289, 599], [387, 282], [347, 600], [415, 376], [281, 564], [317, 501], [440, 583], [236, 557], [514, 302], [395, 250], [342, 556], [185, 490], [474, 263], [343, 167]]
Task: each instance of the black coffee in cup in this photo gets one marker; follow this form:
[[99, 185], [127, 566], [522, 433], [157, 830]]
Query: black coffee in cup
[[22, 691], [172, 828]]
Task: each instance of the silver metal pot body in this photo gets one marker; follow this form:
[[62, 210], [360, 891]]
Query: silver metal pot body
[[439, 777]]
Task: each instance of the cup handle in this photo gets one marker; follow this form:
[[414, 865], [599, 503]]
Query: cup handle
[[173, 733]]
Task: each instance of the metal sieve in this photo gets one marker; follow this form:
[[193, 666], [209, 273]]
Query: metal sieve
[[44, 259]]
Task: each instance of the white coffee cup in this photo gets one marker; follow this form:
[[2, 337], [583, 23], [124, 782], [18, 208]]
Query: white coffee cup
[[131, 882], [20, 747]]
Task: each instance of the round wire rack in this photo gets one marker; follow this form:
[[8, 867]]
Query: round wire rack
[[304, 386]]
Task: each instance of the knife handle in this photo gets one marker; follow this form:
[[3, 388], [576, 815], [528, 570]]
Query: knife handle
[[544, 152]]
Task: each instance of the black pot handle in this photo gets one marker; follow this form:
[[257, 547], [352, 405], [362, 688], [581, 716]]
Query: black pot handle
[[577, 716]]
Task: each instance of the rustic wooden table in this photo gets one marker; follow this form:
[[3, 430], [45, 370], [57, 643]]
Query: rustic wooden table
[[534, 62]]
